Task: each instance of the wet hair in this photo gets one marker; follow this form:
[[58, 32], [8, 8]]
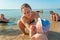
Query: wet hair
[[25, 5]]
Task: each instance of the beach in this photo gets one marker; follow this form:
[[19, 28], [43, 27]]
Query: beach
[[13, 33], [54, 33]]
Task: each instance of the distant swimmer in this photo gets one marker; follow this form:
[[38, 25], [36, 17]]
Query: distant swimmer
[[3, 19], [54, 16]]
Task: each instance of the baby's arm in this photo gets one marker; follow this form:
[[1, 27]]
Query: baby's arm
[[32, 30]]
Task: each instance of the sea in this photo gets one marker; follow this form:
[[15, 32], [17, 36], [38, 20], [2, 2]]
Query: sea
[[15, 14]]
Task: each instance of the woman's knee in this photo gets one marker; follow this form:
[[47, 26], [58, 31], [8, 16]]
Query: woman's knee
[[20, 24]]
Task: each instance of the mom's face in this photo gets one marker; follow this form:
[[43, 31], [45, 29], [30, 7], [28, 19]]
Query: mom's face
[[26, 12]]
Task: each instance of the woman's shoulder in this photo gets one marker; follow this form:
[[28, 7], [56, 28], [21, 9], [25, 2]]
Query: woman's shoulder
[[23, 18]]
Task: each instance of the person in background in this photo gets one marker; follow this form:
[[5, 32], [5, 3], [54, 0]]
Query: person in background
[[3, 19], [54, 16]]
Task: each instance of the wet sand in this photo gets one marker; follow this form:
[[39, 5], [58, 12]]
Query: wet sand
[[13, 33], [54, 33]]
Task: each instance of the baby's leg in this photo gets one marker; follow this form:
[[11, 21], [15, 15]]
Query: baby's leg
[[39, 37], [46, 33], [21, 27]]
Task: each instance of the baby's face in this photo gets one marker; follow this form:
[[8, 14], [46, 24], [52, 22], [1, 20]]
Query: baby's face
[[38, 14]]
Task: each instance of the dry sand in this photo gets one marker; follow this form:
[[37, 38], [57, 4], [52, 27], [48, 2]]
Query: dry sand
[[13, 33]]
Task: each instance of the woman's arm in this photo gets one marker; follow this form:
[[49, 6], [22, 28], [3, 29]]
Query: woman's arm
[[25, 22]]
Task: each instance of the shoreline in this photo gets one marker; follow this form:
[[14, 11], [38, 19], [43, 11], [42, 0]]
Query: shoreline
[[13, 33]]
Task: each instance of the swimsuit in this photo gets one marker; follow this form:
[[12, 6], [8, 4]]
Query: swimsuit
[[45, 24], [32, 21]]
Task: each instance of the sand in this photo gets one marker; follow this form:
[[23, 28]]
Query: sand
[[54, 33], [13, 33]]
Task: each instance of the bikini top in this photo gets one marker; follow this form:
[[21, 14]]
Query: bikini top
[[3, 22], [32, 21]]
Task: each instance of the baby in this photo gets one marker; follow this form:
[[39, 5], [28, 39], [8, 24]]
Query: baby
[[3, 19], [39, 35], [41, 30]]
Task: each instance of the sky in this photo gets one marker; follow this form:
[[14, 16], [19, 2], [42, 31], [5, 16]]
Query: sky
[[35, 4]]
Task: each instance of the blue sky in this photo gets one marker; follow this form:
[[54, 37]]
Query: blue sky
[[35, 4]]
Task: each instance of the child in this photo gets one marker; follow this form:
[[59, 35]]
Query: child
[[41, 30]]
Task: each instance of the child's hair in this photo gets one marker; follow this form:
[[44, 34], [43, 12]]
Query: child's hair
[[51, 12], [38, 13], [25, 5]]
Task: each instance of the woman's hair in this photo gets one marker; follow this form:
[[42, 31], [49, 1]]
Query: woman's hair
[[25, 5]]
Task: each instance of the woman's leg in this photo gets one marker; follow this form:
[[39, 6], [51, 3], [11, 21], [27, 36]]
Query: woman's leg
[[21, 26]]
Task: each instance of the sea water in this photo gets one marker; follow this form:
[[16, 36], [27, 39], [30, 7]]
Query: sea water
[[14, 14]]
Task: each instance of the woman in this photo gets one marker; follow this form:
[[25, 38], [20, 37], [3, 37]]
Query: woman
[[3, 19], [28, 18]]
